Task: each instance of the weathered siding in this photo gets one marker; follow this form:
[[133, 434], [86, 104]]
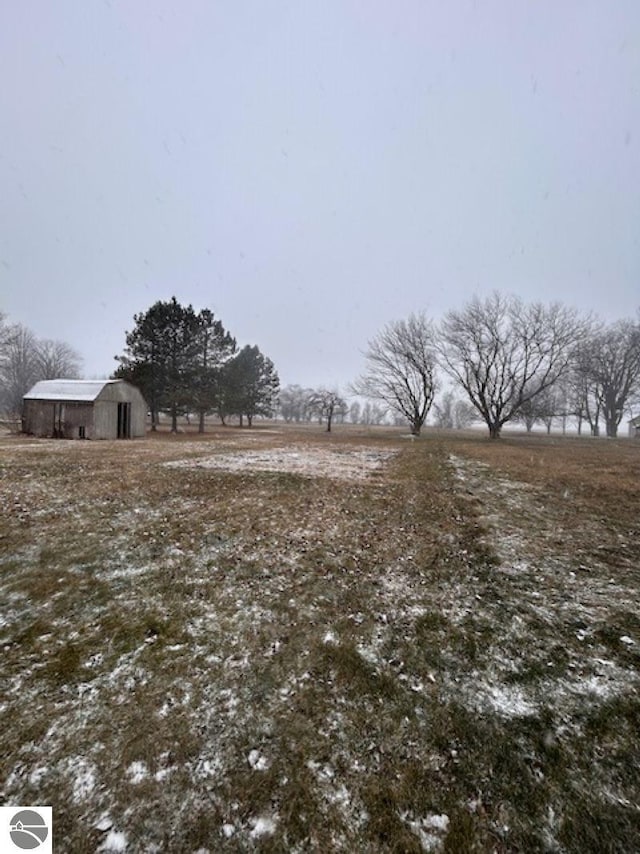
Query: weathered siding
[[107, 405], [62, 419], [77, 421], [37, 417]]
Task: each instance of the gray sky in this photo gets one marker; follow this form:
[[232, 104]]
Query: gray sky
[[312, 170]]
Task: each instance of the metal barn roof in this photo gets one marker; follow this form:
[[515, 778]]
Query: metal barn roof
[[79, 390]]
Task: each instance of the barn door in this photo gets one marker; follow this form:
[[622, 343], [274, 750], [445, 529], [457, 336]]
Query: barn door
[[124, 421]]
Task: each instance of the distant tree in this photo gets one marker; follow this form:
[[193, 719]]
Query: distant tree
[[327, 404], [584, 390], [249, 386], [24, 360], [548, 405], [401, 369], [528, 414], [452, 413], [18, 366], [539, 408], [443, 411], [609, 369], [504, 353], [56, 360], [378, 413], [294, 403], [354, 412], [464, 414]]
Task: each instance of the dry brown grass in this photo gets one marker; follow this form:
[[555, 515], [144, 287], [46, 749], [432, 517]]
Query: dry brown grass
[[439, 654]]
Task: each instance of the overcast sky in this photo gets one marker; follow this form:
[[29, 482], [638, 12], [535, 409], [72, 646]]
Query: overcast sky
[[312, 170]]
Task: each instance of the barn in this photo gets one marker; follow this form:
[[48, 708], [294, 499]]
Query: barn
[[84, 409]]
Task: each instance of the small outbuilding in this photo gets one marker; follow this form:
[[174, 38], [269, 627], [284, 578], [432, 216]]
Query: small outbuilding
[[634, 427], [84, 409]]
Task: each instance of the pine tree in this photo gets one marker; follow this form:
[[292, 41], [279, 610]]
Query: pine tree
[[250, 386], [161, 358]]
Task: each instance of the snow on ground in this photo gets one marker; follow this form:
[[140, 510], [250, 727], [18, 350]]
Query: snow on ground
[[309, 461], [540, 588], [235, 650]]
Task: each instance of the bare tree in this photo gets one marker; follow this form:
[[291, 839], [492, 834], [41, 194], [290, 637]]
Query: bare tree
[[452, 413], [327, 404], [443, 411], [378, 413], [464, 414], [504, 353], [56, 360], [354, 412], [294, 403], [24, 360], [584, 392], [401, 369], [609, 372], [18, 366], [542, 408]]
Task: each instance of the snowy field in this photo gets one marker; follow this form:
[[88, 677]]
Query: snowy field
[[282, 641]]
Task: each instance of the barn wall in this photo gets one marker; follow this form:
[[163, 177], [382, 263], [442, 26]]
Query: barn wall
[[75, 416], [37, 417], [122, 393], [42, 417], [105, 419]]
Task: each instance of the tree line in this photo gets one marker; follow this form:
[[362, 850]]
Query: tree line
[[186, 362], [26, 359], [513, 361], [299, 405]]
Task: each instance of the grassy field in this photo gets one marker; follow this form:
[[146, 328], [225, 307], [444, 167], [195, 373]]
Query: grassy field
[[281, 640]]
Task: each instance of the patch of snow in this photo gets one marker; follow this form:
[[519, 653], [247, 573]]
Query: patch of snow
[[208, 768], [627, 640], [429, 830], [257, 761], [323, 772], [104, 823], [368, 654], [505, 700], [83, 776], [352, 464], [37, 774], [137, 772], [340, 796], [162, 774], [262, 826], [437, 822], [116, 841]]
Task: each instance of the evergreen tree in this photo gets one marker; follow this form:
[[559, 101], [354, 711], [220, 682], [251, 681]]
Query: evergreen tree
[[216, 346], [161, 358], [249, 386]]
